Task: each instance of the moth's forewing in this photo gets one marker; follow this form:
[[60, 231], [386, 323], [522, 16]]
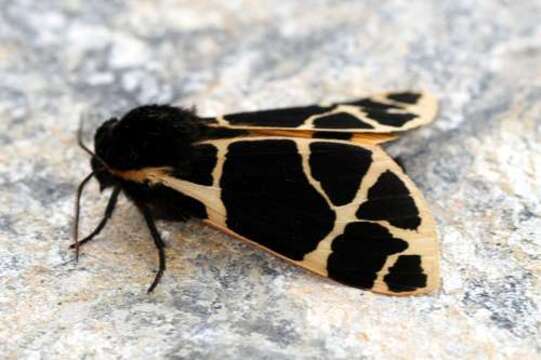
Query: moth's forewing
[[336, 208]]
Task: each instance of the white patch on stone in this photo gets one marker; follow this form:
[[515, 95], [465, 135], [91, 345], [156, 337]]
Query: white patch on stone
[[128, 51]]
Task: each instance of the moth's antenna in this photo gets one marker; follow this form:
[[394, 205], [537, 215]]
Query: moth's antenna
[[80, 139], [85, 148], [77, 211]]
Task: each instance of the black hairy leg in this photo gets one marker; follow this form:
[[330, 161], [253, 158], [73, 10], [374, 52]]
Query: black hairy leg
[[106, 216], [160, 245]]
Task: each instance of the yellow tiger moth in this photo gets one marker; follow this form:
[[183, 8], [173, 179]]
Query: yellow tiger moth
[[310, 184]]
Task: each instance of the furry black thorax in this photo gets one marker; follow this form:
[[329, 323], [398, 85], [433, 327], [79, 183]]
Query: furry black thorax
[[148, 136]]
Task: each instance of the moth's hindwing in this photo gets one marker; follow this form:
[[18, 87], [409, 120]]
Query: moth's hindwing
[[338, 209], [382, 113]]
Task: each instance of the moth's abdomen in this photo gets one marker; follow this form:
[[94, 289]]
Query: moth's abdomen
[[164, 202]]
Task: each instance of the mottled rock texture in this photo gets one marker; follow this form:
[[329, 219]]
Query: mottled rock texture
[[479, 166]]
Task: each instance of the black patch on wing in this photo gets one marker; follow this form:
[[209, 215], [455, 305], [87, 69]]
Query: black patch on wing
[[371, 104], [389, 199], [339, 168], [360, 252], [289, 117], [406, 274], [389, 119], [332, 135], [202, 164], [269, 200], [405, 97], [341, 120], [218, 132]]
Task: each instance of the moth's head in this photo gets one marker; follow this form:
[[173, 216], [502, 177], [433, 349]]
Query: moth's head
[[100, 167]]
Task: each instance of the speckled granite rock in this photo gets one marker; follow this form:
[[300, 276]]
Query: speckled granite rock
[[479, 166]]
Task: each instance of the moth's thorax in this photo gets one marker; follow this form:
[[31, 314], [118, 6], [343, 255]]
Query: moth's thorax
[[152, 136]]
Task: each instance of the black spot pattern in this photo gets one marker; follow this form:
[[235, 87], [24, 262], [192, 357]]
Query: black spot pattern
[[371, 104], [219, 132], [332, 135], [269, 200], [405, 97], [390, 119], [389, 199], [406, 274], [360, 252], [200, 171], [341, 120], [339, 168], [290, 117]]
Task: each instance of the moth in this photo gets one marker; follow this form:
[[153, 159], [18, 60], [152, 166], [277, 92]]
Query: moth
[[309, 184]]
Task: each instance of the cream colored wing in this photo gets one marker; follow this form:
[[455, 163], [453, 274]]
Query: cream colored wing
[[381, 113], [338, 209]]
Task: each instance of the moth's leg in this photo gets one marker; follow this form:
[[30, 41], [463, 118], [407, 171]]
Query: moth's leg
[[160, 245], [108, 213]]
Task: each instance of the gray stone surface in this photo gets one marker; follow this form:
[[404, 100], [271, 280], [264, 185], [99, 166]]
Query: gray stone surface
[[479, 166]]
